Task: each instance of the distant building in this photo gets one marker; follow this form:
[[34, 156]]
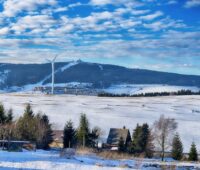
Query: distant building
[[17, 146], [115, 135], [57, 139]]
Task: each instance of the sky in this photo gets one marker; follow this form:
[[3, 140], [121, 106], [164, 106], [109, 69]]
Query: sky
[[161, 35]]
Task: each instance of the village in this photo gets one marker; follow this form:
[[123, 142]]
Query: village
[[34, 131]]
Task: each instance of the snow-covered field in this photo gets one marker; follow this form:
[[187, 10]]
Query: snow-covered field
[[50, 160], [114, 112], [151, 88], [47, 160]]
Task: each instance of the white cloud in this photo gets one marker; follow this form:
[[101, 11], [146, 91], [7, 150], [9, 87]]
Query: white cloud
[[127, 3], [61, 9], [139, 12], [164, 24], [101, 2], [13, 7], [192, 3], [4, 31], [152, 16], [32, 22]]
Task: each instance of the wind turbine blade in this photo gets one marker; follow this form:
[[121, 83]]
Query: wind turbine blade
[[49, 61], [55, 58]]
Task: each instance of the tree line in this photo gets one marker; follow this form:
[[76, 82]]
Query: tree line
[[145, 141], [82, 136], [153, 94], [29, 127]]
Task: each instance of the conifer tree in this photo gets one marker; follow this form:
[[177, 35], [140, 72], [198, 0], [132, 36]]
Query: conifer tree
[[177, 148], [9, 117], [146, 141], [136, 143], [2, 114], [142, 140], [149, 150], [69, 135], [6, 126], [44, 132], [144, 137], [25, 127], [83, 131], [28, 110], [94, 135], [193, 155]]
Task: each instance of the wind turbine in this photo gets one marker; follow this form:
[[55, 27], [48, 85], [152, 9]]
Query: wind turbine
[[53, 73]]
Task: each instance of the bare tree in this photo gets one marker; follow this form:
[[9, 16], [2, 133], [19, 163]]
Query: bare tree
[[163, 131]]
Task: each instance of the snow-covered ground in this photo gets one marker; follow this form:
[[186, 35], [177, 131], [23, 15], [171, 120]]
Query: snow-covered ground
[[50, 160], [151, 88], [114, 112]]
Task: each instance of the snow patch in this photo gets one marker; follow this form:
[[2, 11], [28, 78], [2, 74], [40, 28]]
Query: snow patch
[[70, 65], [101, 67]]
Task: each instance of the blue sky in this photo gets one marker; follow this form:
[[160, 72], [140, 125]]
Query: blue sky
[[159, 35]]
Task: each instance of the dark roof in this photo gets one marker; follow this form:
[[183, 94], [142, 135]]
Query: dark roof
[[58, 135], [15, 141], [116, 134]]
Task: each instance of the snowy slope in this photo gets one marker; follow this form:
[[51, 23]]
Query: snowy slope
[[151, 88], [71, 64], [67, 66], [120, 111]]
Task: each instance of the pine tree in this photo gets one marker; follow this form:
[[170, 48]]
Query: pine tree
[[44, 132], [177, 148], [193, 155], [142, 140], [35, 128], [28, 110], [69, 135], [25, 127], [83, 131], [93, 136], [150, 146], [136, 143], [121, 145], [2, 114], [9, 117], [144, 137], [6, 127]]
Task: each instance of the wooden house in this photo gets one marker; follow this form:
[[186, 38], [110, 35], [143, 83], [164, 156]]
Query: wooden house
[[115, 135]]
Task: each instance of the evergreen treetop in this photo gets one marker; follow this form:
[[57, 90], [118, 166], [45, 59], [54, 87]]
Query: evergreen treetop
[[193, 155], [69, 135], [177, 148], [83, 131]]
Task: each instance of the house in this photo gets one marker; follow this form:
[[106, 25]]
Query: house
[[115, 135], [57, 139]]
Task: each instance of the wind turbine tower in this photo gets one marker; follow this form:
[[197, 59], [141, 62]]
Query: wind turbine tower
[[53, 73]]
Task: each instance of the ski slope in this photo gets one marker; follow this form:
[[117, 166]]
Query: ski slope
[[113, 112]]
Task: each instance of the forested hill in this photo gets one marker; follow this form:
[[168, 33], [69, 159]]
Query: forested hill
[[100, 75]]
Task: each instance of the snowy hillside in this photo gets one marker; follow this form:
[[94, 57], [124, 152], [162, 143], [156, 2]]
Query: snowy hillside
[[141, 88], [119, 111]]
